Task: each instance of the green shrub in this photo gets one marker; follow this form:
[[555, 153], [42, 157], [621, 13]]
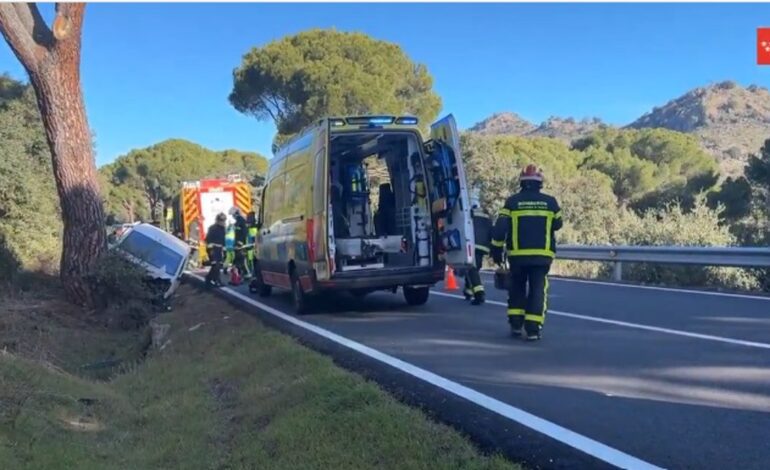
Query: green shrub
[[126, 299]]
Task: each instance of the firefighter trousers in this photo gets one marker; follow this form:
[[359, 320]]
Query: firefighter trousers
[[214, 276], [474, 288], [528, 295], [239, 261]]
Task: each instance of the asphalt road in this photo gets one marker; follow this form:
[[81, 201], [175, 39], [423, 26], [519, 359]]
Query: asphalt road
[[679, 379]]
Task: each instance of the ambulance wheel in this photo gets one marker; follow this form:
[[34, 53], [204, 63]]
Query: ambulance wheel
[[257, 286], [298, 296], [416, 295], [359, 293]]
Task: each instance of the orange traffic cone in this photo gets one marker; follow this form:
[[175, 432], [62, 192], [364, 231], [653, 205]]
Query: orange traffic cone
[[235, 276], [451, 282]]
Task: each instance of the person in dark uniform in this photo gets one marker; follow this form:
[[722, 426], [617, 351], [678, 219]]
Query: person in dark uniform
[[525, 231], [251, 241], [215, 243], [482, 233], [241, 239]]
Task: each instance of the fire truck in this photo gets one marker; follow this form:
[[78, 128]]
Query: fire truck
[[199, 202]]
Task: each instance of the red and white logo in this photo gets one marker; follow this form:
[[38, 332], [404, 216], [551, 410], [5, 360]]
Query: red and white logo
[[763, 46]]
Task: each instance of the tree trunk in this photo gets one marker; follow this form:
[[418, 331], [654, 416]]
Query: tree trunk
[[52, 59], [128, 206]]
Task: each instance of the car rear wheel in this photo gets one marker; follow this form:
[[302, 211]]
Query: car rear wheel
[[416, 295]]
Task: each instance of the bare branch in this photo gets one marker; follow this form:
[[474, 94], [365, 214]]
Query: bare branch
[[34, 23], [19, 37]]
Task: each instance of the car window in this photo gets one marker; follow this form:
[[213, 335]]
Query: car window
[[151, 252]]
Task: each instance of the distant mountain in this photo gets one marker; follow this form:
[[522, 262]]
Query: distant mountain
[[731, 121], [567, 129], [504, 124]]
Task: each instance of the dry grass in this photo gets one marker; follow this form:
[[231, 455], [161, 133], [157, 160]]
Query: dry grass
[[224, 392]]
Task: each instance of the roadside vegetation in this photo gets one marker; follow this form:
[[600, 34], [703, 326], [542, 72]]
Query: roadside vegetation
[[217, 390], [91, 376]]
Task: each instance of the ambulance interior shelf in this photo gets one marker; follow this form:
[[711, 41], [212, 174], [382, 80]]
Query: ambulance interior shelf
[[366, 165], [445, 190]]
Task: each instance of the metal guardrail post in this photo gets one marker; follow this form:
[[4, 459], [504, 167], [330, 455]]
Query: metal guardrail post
[[617, 271]]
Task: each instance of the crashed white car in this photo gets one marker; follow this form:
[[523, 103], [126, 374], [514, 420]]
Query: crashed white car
[[163, 255]]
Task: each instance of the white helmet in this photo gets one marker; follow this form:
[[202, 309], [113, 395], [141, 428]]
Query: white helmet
[[233, 211]]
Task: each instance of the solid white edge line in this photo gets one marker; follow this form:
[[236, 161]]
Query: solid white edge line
[[554, 431], [638, 326], [664, 289]]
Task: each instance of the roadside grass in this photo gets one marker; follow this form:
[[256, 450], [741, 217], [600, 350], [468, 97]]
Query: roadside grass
[[223, 392]]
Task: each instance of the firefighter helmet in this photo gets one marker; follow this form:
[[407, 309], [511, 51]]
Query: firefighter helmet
[[531, 173], [234, 211]]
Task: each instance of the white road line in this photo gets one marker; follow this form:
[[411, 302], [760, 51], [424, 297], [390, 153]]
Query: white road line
[[638, 326], [664, 289], [582, 443]]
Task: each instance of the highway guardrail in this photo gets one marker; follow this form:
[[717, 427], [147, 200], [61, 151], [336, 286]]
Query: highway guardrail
[[738, 257]]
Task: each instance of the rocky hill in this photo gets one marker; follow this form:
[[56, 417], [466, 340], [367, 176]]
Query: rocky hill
[[567, 129], [504, 124], [731, 122]]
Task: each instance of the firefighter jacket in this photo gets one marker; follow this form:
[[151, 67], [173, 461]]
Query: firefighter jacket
[[482, 230], [241, 231], [526, 226]]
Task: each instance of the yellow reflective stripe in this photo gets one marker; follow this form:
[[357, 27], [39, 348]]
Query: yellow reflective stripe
[[478, 289], [535, 318], [515, 312], [549, 215], [503, 212], [557, 215], [532, 252], [515, 232], [482, 248], [531, 213], [498, 243], [468, 291]]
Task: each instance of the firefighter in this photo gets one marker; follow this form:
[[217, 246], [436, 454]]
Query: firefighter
[[482, 233], [215, 241], [525, 229], [251, 223], [229, 246], [240, 237]]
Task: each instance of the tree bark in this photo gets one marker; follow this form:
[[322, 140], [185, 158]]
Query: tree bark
[[52, 59]]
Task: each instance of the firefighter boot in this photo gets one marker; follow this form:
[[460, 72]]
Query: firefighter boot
[[516, 323], [534, 330], [479, 297]]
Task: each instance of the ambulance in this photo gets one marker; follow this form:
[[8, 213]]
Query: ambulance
[[363, 204]]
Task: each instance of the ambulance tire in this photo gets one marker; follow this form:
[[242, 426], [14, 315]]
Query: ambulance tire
[[257, 286], [298, 295], [360, 293], [416, 295]]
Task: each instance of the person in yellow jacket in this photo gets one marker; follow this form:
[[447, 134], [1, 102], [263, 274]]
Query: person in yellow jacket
[[525, 232]]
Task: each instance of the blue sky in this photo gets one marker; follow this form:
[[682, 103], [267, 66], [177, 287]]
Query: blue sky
[[157, 71]]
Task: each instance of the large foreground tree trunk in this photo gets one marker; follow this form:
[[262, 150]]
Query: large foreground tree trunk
[[52, 59]]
